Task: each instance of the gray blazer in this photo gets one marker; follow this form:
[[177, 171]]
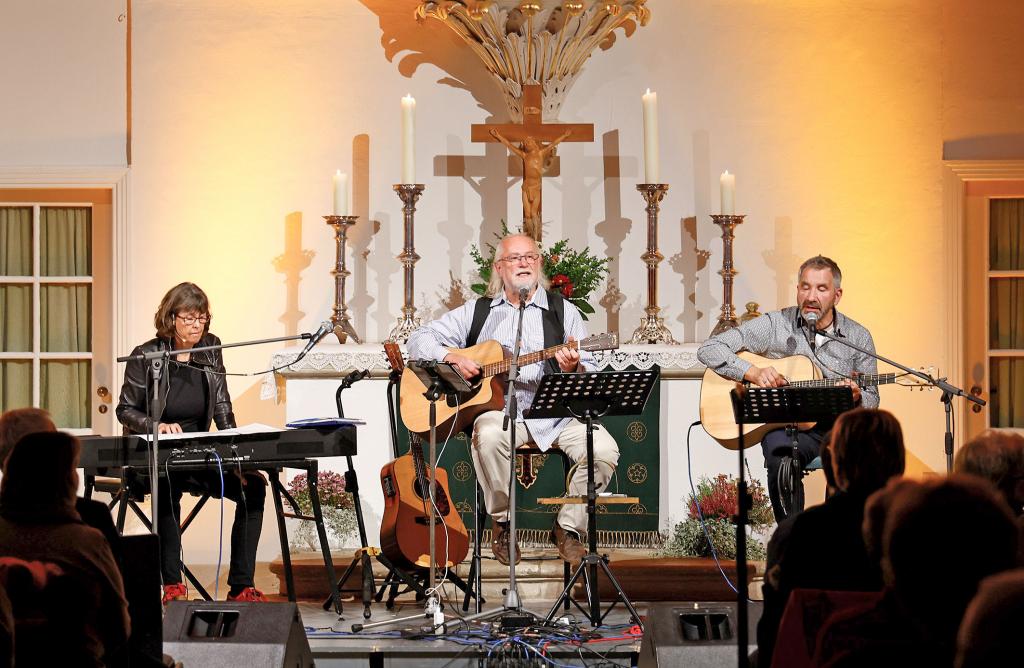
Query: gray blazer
[[779, 334]]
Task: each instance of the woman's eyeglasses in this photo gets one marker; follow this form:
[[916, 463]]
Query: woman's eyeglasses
[[192, 319]]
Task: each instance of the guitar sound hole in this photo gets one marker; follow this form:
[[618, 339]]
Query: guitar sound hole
[[463, 397], [441, 499]]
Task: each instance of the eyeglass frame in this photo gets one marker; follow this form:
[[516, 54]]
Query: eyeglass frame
[[203, 320], [516, 258]]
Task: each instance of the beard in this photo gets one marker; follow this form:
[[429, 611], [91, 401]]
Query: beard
[[528, 283]]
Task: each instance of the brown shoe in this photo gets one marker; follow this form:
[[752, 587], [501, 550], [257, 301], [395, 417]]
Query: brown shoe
[[568, 543], [499, 546]]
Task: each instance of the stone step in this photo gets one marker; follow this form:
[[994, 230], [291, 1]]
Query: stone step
[[540, 577]]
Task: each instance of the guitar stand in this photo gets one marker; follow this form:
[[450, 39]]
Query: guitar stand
[[362, 558]]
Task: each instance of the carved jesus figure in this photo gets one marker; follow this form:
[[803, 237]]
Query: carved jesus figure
[[533, 155]]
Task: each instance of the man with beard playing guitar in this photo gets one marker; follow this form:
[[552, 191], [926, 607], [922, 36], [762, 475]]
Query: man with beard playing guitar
[[518, 265], [784, 333]]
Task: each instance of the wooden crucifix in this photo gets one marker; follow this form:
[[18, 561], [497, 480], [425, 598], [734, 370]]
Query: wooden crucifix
[[531, 136]]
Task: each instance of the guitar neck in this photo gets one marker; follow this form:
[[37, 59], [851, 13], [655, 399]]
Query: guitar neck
[[864, 380], [524, 360]]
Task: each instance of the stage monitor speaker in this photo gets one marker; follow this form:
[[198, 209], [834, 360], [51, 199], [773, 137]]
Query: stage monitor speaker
[[254, 635], [696, 635]]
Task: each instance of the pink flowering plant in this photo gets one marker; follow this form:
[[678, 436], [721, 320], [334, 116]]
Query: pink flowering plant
[[336, 504], [718, 499]]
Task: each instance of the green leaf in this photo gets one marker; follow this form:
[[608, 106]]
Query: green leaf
[[479, 288], [584, 307]]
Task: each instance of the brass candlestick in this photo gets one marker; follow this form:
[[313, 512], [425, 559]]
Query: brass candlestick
[[339, 318], [652, 329], [409, 193], [728, 223]]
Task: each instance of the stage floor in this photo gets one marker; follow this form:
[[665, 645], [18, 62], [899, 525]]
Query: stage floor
[[404, 644]]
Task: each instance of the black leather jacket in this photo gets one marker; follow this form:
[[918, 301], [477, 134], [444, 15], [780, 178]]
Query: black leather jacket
[[131, 407]]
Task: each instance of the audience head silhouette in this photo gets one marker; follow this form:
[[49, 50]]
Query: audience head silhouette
[[17, 423], [866, 450], [941, 538], [992, 623], [996, 455], [41, 475]]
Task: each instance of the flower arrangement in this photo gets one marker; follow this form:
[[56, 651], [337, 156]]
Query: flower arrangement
[[335, 503], [575, 274], [718, 499]]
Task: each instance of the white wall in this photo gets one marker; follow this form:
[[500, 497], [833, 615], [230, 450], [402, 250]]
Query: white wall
[[63, 75]]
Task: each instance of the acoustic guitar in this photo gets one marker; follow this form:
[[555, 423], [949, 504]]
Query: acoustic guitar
[[488, 391], [719, 421], [405, 525]]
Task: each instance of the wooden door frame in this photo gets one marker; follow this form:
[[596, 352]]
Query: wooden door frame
[[117, 180], [956, 175]]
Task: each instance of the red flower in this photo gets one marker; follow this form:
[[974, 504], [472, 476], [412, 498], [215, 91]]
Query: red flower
[[567, 290], [559, 280], [554, 259]]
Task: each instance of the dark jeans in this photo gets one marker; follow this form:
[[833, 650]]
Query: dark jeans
[[776, 445], [245, 530]]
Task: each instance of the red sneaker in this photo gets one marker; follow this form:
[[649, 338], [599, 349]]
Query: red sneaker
[[175, 592], [250, 594]]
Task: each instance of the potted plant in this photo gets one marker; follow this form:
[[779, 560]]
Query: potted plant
[[717, 500], [336, 505]]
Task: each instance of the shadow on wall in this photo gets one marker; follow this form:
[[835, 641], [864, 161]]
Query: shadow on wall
[[292, 263], [359, 238], [414, 43], [615, 227], [985, 147], [690, 264], [783, 262]]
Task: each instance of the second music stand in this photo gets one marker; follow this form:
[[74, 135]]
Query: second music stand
[[588, 397], [779, 405]]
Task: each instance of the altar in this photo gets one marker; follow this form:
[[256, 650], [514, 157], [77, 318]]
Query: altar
[[308, 387]]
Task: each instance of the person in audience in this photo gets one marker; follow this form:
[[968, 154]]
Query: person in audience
[[823, 547], [991, 625], [39, 523], [195, 391], [17, 423], [940, 538], [997, 455]]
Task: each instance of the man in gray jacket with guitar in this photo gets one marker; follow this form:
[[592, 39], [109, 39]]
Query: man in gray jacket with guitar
[[552, 329], [784, 335]]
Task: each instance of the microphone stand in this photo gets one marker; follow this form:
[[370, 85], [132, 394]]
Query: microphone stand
[[157, 361], [512, 602], [948, 390]]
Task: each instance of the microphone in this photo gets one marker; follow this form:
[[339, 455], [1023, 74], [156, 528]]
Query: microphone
[[522, 297], [811, 320], [326, 327]]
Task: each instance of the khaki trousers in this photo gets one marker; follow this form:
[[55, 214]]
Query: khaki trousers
[[491, 457]]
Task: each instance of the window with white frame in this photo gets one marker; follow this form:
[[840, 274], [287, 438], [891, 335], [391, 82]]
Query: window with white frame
[[46, 283]]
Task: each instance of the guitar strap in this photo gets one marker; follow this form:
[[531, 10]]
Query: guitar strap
[[554, 326]]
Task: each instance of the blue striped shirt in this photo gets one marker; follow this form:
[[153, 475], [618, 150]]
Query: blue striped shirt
[[432, 341]]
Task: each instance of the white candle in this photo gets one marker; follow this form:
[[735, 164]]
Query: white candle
[[408, 134], [728, 183], [650, 101], [340, 194]]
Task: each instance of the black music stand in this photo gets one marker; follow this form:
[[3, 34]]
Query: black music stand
[[780, 405], [587, 397]]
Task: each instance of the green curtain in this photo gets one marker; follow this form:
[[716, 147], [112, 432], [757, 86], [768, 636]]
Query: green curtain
[[1006, 311], [64, 391], [65, 241], [15, 306]]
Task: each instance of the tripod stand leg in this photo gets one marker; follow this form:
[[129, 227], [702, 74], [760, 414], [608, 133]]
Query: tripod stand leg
[[635, 618]]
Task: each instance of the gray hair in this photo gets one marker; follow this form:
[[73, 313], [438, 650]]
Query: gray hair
[[496, 286], [822, 262]]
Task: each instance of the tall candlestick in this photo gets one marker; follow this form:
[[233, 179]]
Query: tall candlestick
[[409, 193], [340, 193], [728, 183], [408, 136], [650, 102]]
